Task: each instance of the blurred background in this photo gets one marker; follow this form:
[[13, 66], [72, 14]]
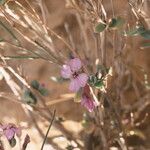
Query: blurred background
[[61, 17]]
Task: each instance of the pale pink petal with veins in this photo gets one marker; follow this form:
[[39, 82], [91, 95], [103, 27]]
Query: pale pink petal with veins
[[82, 79], [74, 85], [10, 130], [88, 103], [9, 133], [66, 72], [75, 64]]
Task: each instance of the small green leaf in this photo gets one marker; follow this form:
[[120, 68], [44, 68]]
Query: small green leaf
[[43, 91], [146, 34], [100, 27], [29, 97], [145, 45], [99, 84], [92, 80], [116, 22], [35, 84], [12, 142], [138, 30], [95, 81]]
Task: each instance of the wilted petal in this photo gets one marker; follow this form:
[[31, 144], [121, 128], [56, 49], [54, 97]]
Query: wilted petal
[[18, 132], [9, 133], [88, 103], [82, 79], [66, 71], [75, 64], [74, 85]]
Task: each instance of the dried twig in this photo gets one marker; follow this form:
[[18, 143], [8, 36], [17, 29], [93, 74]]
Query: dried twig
[[53, 117]]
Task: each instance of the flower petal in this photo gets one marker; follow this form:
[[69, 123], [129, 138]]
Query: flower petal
[[9, 133], [75, 64], [18, 132], [88, 103], [66, 71], [82, 79], [74, 85]]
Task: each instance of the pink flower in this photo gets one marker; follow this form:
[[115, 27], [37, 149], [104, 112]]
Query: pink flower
[[88, 103], [10, 130], [72, 70]]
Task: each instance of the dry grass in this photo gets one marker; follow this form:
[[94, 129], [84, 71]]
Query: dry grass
[[30, 41]]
